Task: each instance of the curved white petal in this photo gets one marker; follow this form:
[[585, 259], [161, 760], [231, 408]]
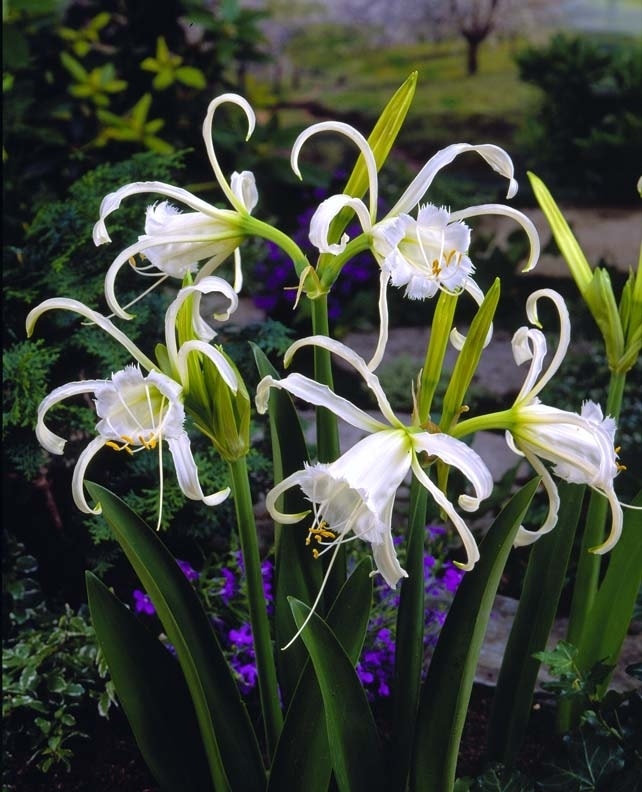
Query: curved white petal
[[319, 395], [237, 202], [514, 214], [47, 439], [382, 340], [496, 157], [78, 478], [218, 359], [529, 344], [363, 146], [526, 537], [325, 214], [275, 493], [617, 519], [66, 304], [386, 561], [356, 361], [468, 540], [209, 285], [562, 344], [187, 472], [112, 201], [457, 454]]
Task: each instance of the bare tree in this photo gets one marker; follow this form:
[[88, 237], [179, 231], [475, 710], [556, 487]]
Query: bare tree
[[475, 20]]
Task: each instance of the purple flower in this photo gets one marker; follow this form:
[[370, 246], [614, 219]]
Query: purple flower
[[452, 577], [142, 603], [229, 586], [241, 637], [188, 570]]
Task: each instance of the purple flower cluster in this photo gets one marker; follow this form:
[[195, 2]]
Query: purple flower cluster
[[223, 589], [377, 662], [142, 601]]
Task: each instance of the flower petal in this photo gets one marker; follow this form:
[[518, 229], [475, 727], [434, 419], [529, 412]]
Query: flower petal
[[47, 439], [496, 157], [237, 202], [514, 214], [356, 361], [457, 454], [187, 472], [468, 540], [325, 214], [78, 478], [319, 395], [357, 138], [66, 304]]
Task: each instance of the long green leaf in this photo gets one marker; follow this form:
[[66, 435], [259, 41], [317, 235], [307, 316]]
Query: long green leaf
[[302, 760], [612, 610], [446, 691], [152, 691], [296, 574], [409, 644], [381, 140], [538, 602], [222, 717], [352, 735]]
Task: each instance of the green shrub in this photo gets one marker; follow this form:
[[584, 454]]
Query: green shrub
[[584, 138]]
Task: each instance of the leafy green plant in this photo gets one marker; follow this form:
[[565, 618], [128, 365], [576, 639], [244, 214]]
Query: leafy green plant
[[51, 671], [588, 114]]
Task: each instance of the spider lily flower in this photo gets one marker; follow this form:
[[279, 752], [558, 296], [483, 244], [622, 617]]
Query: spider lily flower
[[354, 495], [426, 253], [175, 242], [138, 411], [579, 447]]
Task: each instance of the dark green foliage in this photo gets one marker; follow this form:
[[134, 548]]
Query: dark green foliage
[[50, 672], [589, 115]]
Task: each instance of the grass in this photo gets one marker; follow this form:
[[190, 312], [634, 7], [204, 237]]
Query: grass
[[358, 78]]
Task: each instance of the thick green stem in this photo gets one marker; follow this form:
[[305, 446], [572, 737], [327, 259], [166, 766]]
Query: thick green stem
[[328, 447], [263, 648]]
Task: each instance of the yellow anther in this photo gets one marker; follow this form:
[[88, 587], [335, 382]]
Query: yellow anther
[[113, 445], [319, 533], [129, 440]]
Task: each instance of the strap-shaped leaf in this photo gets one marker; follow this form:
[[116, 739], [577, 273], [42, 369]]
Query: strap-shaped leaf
[[534, 618], [352, 735], [222, 717], [296, 573], [610, 616], [446, 691], [152, 691], [302, 760]]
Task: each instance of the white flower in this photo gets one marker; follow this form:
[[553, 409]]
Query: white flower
[[175, 242], [580, 447], [426, 254], [355, 494], [137, 412]]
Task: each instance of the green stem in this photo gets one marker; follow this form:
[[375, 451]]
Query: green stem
[[268, 689], [328, 447]]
